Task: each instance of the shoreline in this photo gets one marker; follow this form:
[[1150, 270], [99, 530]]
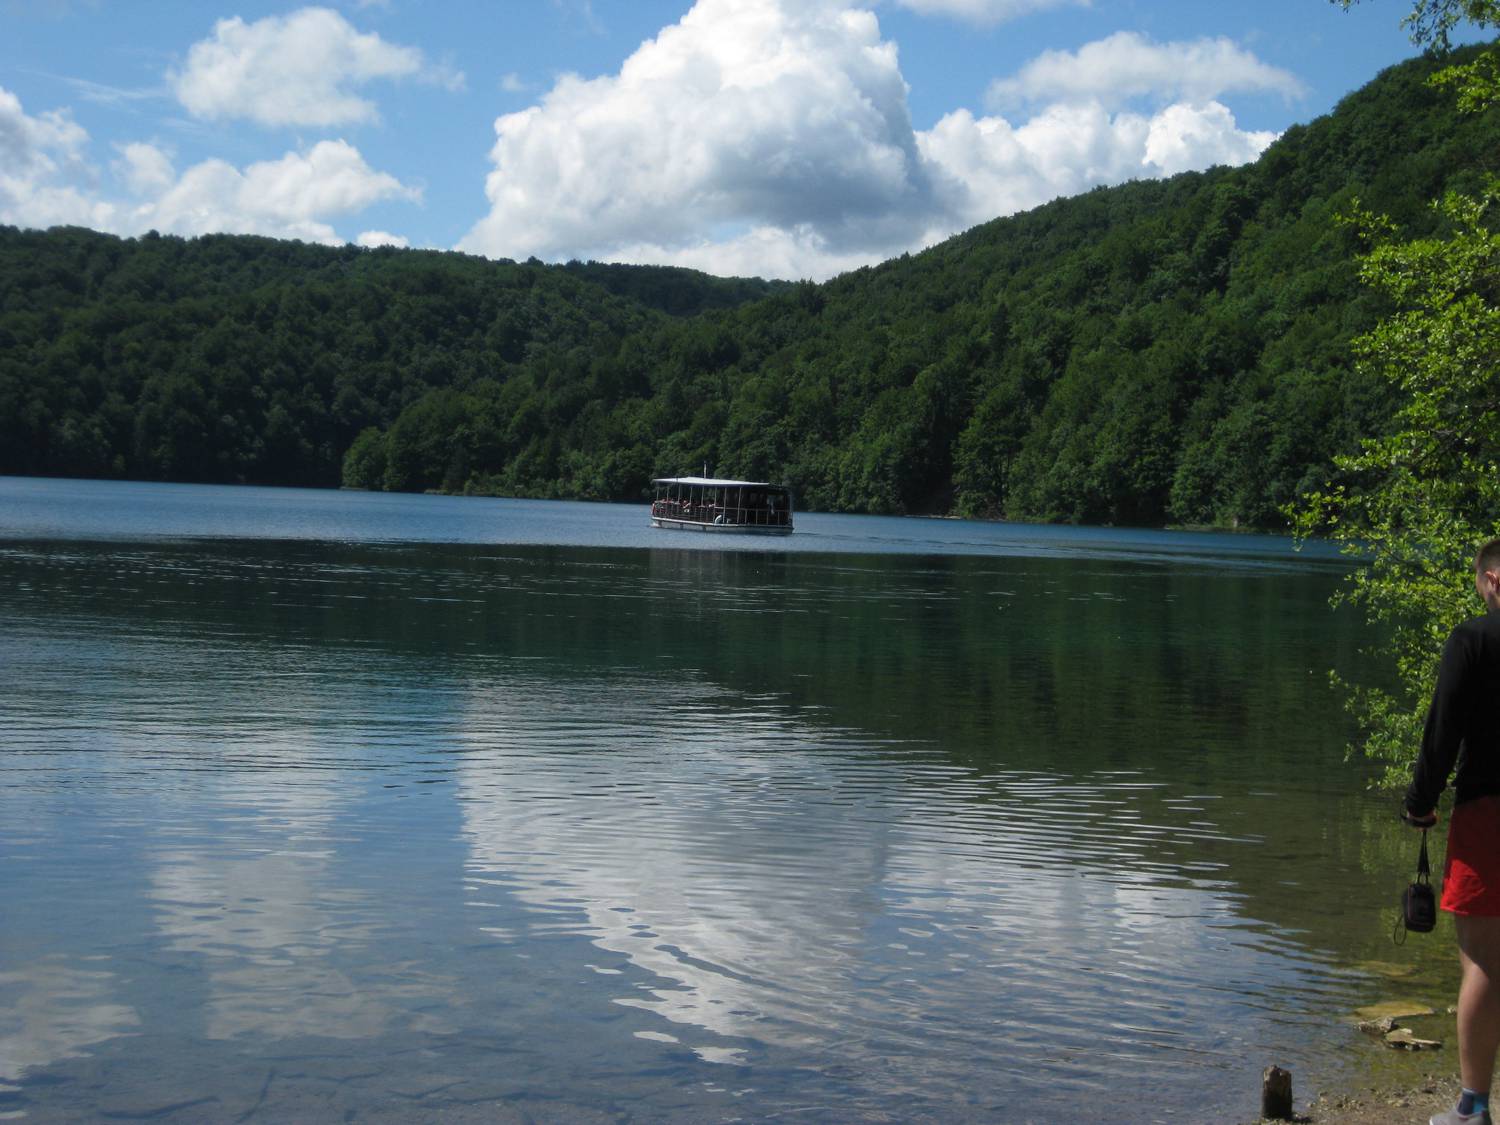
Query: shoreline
[[1387, 1086], [1397, 1104]]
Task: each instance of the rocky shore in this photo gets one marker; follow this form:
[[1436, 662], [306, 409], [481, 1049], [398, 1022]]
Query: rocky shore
[[1412, 1074], [1397, 1105]]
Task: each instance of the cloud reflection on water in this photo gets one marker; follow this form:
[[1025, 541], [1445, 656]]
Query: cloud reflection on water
[[55, 1008], [262, 928], [758, 883], [550, 823]]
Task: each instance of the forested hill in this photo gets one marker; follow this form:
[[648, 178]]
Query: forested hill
[[1165, 351]]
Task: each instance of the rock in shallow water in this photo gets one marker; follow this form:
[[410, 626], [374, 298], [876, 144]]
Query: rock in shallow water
[[1393, 1009], [1402, 1039]]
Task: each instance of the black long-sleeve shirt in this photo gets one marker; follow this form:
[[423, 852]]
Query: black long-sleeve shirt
[[1463, 722]]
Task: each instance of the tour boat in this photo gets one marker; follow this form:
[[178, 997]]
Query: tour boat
[[745, 507]]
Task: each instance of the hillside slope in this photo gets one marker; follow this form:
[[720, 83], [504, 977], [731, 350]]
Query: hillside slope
[[1163, 351]]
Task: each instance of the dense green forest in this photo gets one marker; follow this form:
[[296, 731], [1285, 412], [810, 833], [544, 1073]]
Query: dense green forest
[[1163, 351]]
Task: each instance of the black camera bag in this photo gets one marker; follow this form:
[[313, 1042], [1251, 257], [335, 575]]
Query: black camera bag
[[1418, 904]]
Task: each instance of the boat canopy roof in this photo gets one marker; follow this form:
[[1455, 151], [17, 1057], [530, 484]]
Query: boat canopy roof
[[714, 482]]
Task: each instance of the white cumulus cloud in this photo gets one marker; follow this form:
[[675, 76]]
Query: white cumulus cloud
[[144, 169], [1183, 137], [1128, 65], [293, 197], [44, 177], [984, 11], [748, 114], [772, 137], [373, 238], [298, 69], [996, 168], [36, 145], [763, 251], [768, 137], [46, 180]]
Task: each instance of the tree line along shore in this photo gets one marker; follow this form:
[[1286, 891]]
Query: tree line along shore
[[1162, 352]]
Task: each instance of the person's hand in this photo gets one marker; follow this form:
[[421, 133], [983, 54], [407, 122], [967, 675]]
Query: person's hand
[[1425, 820]]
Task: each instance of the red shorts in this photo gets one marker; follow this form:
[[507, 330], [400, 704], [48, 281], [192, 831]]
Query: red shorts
[[1471, 873]]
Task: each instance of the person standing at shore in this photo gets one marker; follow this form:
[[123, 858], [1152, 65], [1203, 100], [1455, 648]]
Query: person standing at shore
[[1463, 730]]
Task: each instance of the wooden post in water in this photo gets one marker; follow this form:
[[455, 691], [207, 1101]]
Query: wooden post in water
[[1276, 1094]]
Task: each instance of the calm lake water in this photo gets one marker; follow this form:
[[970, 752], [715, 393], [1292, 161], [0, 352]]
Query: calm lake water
[[328, 806]]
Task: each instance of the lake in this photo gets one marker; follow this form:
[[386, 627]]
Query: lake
[[329, 805]]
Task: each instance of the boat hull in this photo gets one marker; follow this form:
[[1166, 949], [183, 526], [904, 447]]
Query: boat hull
[[719, 528]]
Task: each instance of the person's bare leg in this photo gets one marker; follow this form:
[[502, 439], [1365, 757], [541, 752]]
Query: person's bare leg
[[1478, 999]]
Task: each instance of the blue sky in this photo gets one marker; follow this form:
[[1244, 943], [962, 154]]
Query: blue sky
[[787, 138]]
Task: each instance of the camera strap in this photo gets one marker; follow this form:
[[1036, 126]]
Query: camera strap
[[1424, 881]]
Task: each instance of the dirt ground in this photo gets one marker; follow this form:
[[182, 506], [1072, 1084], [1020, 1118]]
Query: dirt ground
[[1409, 1105]]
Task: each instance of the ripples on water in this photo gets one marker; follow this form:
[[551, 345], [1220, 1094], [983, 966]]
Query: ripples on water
[[297, 830]]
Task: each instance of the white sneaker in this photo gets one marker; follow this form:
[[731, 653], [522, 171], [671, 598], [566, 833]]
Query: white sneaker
[[1453, 1117]]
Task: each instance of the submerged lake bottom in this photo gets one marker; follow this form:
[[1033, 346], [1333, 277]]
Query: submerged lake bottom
[[389, 809]]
